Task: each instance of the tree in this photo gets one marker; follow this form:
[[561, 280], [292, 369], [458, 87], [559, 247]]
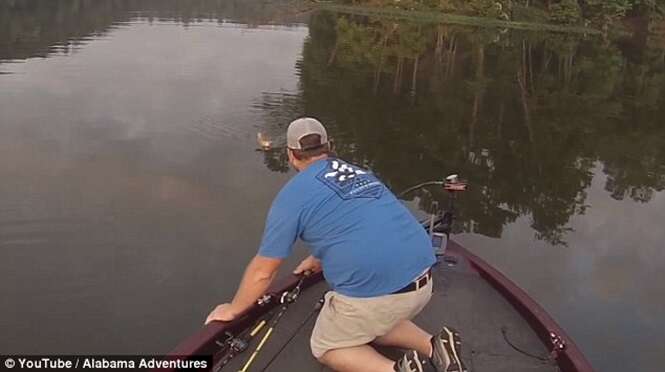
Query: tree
[[565, 12]]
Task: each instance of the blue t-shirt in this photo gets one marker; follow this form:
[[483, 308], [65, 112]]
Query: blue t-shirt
[[368, 242]]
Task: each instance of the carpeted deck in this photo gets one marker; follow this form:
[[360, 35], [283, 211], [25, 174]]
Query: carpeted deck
[[461, 300]]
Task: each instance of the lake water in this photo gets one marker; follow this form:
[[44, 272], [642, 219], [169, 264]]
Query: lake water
[[132, 194]]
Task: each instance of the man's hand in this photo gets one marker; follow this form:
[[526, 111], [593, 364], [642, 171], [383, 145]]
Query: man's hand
[[222, 312], [257, 278], [308, 264]]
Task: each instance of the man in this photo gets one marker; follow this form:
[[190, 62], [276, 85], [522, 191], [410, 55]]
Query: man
[[374, 254]]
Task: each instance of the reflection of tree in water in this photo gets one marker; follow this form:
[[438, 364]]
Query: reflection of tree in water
[[34, 28], [524, 116]]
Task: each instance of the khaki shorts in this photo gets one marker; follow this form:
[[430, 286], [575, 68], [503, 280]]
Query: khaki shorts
[[352, 321]]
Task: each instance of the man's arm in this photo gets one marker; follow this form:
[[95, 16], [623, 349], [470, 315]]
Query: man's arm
[[258, 276]]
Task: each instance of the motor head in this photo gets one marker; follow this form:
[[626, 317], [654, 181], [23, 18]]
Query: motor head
[[454, 184]]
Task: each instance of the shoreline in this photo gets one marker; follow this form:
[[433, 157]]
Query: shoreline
[[427, 16]]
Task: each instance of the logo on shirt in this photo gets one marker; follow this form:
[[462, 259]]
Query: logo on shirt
[[350, 182]]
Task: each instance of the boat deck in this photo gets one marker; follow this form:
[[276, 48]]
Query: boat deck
[[462, 299]]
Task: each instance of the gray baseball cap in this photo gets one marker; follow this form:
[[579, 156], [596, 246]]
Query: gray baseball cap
[[302, 127]]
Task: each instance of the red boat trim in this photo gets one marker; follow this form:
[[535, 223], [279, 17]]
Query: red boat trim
[[571, 358]]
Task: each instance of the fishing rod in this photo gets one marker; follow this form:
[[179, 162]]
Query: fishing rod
[[317, 308], [286, 299]]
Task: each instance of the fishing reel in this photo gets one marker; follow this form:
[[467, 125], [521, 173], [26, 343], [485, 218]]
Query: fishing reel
[[236, 344], [264, 300], [290, 296], [230, 347]]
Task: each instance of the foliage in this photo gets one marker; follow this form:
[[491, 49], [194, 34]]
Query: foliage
[[607, 11], [600, 12], [565, 12]]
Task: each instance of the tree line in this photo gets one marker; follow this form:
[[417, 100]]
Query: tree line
[[602, 13]]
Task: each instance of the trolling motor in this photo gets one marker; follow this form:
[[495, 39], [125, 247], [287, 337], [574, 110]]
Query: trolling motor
[[440, 233], [441, 226]]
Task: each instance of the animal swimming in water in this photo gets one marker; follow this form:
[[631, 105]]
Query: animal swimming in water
[[264, 142]]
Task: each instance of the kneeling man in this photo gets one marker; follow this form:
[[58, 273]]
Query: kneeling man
[[374, 254]]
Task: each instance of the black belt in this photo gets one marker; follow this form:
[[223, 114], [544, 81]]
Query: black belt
[[417, 284]]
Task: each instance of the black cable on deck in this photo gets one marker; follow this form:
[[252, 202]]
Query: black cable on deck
[[504, 332]]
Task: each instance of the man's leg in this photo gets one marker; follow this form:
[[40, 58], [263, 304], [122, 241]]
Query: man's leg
[[407, 335], [361, 358]]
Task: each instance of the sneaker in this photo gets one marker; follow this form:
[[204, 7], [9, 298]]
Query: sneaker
[[410, 362], [447, 351]]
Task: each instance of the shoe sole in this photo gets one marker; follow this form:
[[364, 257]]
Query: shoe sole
[[452, 342], [408, 358]]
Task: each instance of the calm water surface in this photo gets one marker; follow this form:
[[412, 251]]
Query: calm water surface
[[132, 194]]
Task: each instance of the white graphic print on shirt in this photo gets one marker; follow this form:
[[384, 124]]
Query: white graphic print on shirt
[[349, 181]]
